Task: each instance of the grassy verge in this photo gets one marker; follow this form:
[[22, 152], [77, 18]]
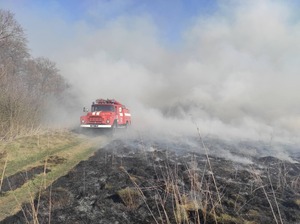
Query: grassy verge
[[27, 152]]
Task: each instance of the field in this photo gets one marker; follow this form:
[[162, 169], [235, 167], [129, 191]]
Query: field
[[139, 180], [30, 164]]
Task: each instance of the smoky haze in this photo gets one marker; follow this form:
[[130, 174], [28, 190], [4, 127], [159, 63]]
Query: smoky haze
[[234, 73]]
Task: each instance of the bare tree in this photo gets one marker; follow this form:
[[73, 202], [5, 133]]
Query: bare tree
[[25, 83], [43, 82], [13, 43]]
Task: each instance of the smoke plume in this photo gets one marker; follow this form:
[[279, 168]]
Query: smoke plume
[[233, 73]]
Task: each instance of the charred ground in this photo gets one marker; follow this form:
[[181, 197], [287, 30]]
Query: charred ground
[[130, 181]]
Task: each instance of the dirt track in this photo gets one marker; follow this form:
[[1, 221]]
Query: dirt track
[[134, 182]]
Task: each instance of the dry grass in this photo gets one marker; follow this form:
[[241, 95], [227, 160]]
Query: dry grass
[[200, 199], [27, 152], [297, 202], [131, 197], [3, 169], [202, 202], [270, 196], [30, 150]]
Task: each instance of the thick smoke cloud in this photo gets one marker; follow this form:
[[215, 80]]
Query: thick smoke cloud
[[233, 73]]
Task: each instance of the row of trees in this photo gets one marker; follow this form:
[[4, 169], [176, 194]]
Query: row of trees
[[26, 83]]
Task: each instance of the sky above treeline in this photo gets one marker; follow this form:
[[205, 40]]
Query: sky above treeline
[[171, 17], [232, 67]]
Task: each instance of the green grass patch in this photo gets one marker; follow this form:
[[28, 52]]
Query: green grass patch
[[27, 152]]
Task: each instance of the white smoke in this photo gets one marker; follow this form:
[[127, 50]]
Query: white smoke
[[234, 73]]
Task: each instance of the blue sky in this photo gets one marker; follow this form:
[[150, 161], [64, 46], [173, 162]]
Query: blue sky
[[170, 16]]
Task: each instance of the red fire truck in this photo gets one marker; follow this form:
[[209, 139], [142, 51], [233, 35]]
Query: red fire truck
[[106, 114]]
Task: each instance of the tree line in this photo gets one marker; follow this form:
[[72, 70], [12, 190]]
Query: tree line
[[25, 82]]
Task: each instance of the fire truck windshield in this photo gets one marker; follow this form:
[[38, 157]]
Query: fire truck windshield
[[102, 108]]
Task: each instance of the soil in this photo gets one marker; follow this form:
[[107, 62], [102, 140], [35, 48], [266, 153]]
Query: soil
[[130, 181]]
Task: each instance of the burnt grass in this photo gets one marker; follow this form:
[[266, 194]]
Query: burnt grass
[[129, 182], [17, 180]]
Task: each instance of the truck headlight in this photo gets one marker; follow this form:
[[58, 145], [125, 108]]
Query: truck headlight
[[107, 121], [82, 121]]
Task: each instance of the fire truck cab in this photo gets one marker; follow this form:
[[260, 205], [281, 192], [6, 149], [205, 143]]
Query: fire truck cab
[[106, 114]]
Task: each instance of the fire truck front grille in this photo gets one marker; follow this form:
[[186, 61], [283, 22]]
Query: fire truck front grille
[[95, 119]]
